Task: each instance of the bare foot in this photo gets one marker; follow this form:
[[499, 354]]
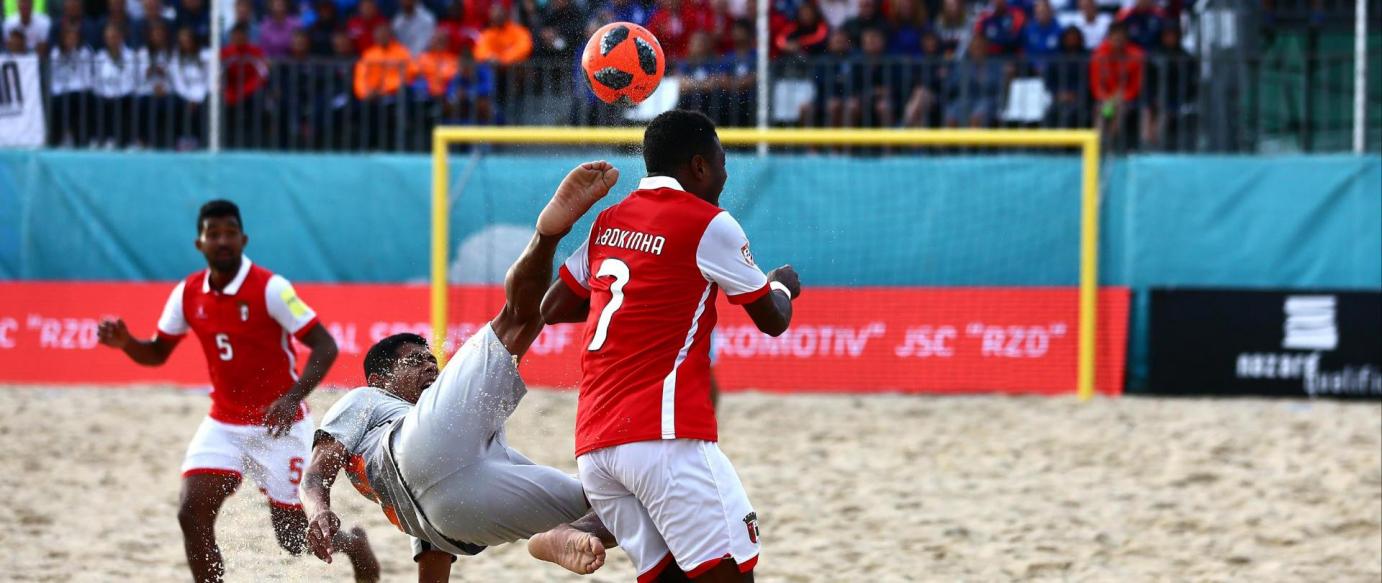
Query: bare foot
[[361, 556], [580, 190], [579, 552]]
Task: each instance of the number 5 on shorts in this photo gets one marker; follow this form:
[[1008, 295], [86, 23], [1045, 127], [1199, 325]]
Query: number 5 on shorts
[[619, 270], [295, 471]]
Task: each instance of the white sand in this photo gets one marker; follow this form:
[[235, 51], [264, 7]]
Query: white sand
[[847, 489]]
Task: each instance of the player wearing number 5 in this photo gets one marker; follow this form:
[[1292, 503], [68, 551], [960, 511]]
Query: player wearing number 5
[[645, 282], [243, 315]]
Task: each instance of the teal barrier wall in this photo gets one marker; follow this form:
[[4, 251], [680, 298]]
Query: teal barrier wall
[[1291, 221]]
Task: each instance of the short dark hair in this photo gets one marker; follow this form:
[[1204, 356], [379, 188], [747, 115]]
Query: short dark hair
[[1120, 26], [384, 354], [217, 209], [674, 137]]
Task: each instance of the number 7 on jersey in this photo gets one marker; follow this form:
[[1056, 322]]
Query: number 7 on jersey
[[619, 270]]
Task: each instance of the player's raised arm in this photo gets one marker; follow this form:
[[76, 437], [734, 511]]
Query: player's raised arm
[[723, 257], [328, 458]]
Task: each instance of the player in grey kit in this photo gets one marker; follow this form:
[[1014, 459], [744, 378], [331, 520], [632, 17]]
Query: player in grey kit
[[433, 445]]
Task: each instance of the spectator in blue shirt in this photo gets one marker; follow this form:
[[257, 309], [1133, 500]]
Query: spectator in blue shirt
[[975, 87], [701, 76], [741, 83], [470, 98], [908, 22], [629, 11], [1041, 37]]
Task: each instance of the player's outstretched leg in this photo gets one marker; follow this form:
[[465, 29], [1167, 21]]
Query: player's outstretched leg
[[583, 186], [519, 323]]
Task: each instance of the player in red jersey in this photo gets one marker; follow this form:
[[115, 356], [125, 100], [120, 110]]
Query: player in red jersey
[[243, 315], [645, 281]]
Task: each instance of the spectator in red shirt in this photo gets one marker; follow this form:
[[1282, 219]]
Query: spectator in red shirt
[[245, 72], [1115, 81], [672, 24], [361, 27], [806, 36], [460, 31]]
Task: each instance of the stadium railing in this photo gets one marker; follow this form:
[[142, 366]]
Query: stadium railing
[[1221, 104]]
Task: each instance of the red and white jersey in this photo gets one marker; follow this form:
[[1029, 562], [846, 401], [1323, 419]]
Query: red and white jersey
[[651, 267], [244, 331]]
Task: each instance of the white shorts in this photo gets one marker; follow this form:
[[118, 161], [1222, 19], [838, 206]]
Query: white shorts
[[672, 499], [276, 465]]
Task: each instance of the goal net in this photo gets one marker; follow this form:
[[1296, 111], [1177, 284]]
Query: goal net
[[933, 261]]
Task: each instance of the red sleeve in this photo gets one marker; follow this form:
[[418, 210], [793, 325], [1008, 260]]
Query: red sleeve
[[1096, 78], [571, 282], [781, 41], [817, 37]]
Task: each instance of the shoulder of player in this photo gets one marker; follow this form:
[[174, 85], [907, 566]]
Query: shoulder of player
[[358, 397], [260, 273], [722, 224]]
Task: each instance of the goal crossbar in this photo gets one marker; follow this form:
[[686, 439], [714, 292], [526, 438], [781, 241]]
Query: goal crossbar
[[1086, 141]]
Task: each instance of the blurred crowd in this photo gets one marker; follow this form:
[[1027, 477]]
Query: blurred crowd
[[326, 72]]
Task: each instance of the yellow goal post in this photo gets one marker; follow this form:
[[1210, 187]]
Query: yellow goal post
[[1086, 141]]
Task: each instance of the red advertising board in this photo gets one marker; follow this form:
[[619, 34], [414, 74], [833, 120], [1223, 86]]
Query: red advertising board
[[920, 340]]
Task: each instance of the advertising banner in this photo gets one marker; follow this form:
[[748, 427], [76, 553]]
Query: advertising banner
[[1277, 343], [925, 340]]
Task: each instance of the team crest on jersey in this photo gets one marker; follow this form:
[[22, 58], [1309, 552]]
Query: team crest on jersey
[[751, 521], [244, 312], [748, 257], [201, 312]]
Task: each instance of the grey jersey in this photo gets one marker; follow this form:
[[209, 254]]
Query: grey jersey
[[362, 422]]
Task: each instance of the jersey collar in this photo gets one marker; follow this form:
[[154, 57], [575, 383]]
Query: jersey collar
[[233, 287], [651, 182]]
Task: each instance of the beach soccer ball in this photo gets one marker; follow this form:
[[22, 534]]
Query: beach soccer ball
[[623, 63]]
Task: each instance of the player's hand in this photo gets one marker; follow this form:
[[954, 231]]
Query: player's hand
[[113, 333], [320, 532], [281, 414], [788, 277]]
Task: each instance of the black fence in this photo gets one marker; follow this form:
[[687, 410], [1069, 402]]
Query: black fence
[[1168, 102]]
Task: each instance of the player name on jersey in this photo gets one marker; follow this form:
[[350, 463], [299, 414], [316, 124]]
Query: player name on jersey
[[632, 240]]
